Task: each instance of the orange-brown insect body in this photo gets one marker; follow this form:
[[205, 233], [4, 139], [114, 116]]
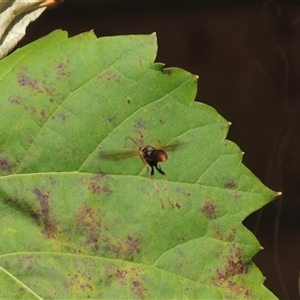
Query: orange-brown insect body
[[152, 156]]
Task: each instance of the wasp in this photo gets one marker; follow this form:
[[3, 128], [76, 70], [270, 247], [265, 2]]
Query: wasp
[[151, 156]]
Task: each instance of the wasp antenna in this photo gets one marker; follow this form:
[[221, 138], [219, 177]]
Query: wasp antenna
[[133, 140], [155, 142]]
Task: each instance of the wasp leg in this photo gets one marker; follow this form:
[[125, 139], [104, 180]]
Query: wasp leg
[[158, 168], [152, 170], [145, 162], [148, 169], [166, 190], [158, 193]]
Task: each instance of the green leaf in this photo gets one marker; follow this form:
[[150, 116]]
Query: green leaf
[[77, 223]]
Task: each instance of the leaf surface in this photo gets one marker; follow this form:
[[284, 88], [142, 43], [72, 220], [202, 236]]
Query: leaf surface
[[75, 224]]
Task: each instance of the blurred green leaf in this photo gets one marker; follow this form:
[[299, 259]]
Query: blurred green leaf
[[77, 225]]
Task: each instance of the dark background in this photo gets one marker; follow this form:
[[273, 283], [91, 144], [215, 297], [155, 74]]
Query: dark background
[[247, 55]]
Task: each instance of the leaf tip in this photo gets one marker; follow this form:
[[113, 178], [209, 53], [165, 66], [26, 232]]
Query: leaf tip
[[51, 3]]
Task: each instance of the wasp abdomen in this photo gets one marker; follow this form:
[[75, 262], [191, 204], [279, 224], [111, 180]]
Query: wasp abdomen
[[159, 156]]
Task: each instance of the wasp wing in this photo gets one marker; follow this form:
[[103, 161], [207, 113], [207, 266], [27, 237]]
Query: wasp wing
[[170, 147], [117, 155]]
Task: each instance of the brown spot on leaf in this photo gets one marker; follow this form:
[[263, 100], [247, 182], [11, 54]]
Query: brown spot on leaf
[[5, 165], [218, 232], [183, 192], [124, 248], [79, 281], [16, 101], [229, 184], [131, 246], [43, 199], [43, 114], [110, 119], [209, 209], [137, 284], [61, 70], [99, 183], [109, 76], [226, 278], [88, 224], [25, 81], [95, 187], [231, 235], [62, 116], [29, 108], [42, 213], [234, 266]]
